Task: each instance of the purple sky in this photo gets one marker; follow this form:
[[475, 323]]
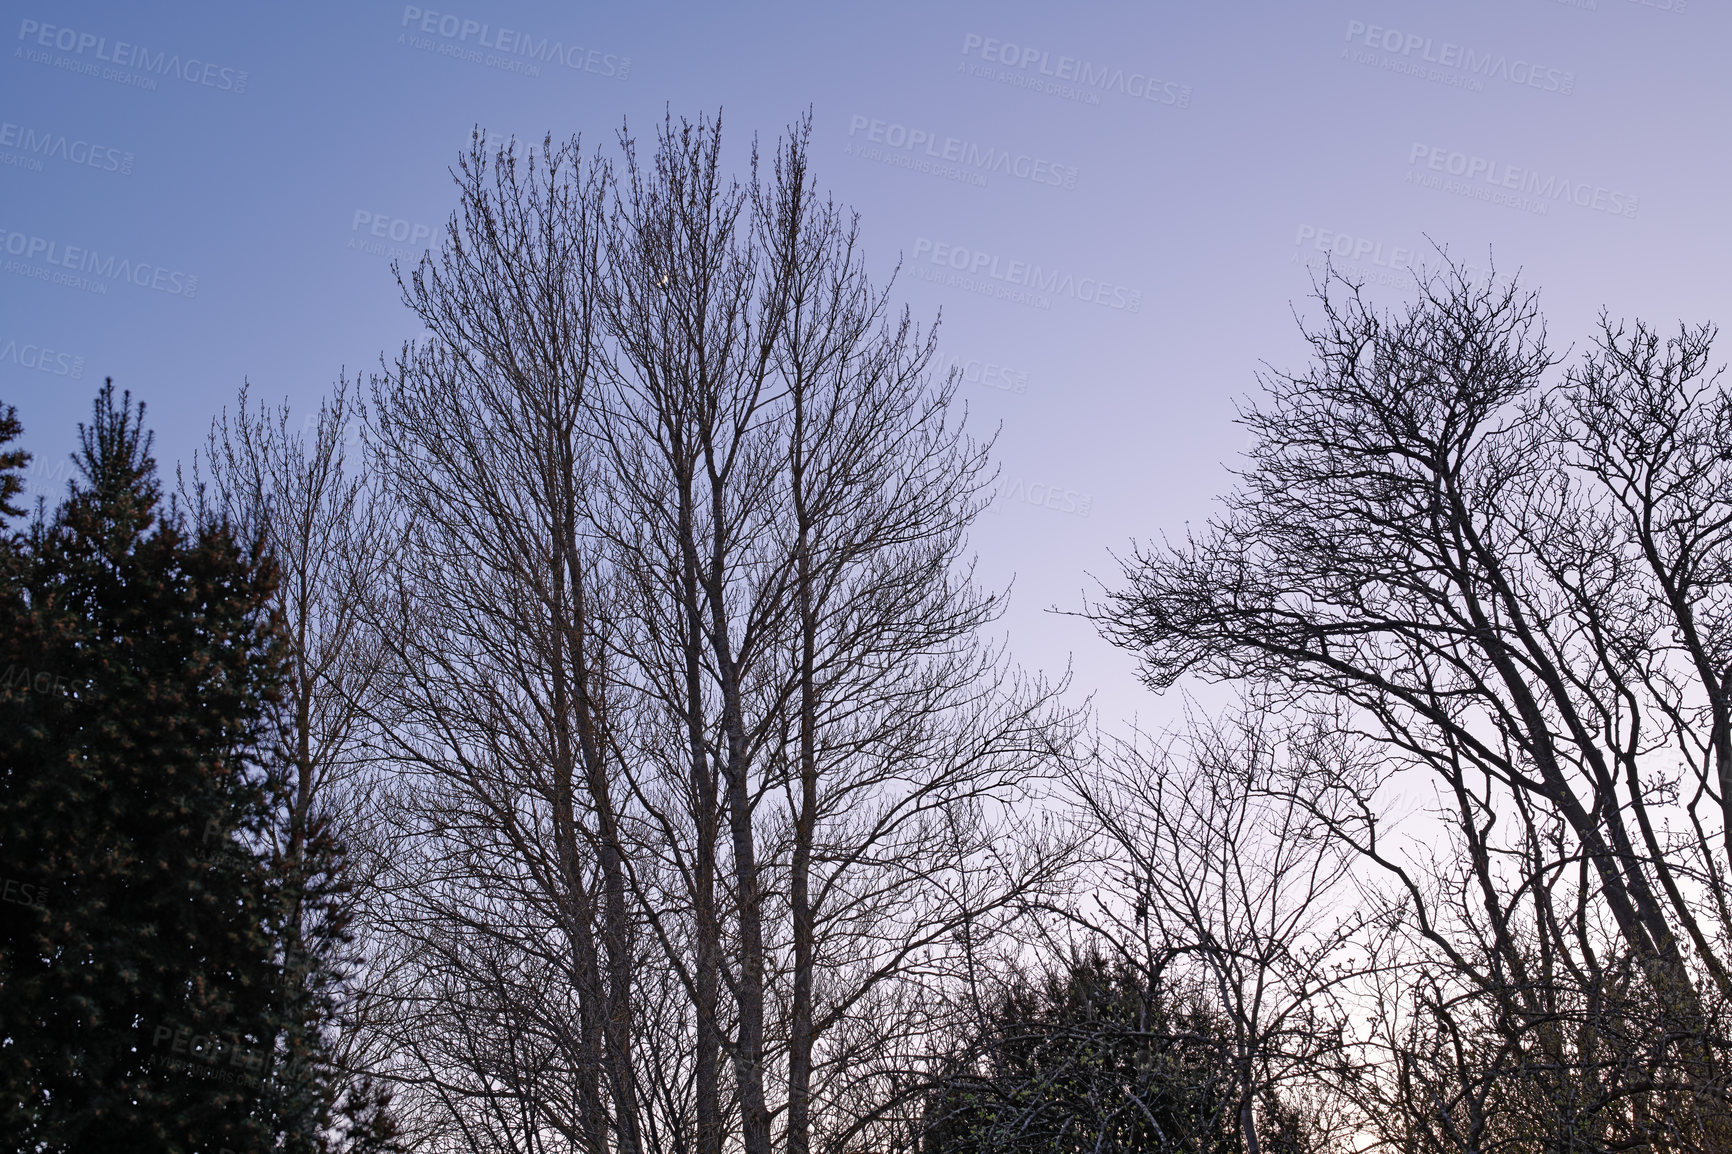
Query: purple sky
[[1114, 204]]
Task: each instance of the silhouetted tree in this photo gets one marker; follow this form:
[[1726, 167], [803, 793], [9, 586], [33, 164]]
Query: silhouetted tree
[[1519, 585], [12, 462], [688, 689], [1098, 1056], [304, 497], [140, 993], [1219, 872]]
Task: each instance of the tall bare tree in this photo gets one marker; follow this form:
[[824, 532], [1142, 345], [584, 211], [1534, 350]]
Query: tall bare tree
[[303, 494], [705, 770], [795, 499], [499, 694]]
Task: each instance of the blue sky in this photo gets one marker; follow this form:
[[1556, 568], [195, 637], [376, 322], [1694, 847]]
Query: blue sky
[[1115, 205]]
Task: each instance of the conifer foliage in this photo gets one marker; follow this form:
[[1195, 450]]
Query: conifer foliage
[[142, 972], [1096, 1055]]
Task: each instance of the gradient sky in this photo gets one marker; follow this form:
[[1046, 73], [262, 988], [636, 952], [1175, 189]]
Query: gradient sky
[[1173, 171]]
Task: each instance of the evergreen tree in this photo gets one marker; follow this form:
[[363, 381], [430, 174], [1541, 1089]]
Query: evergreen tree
[[141, 987], [12, 462], [23, 911], [306, 865], [1091, 1057]]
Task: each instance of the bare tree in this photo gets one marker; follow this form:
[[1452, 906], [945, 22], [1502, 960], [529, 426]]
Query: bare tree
[[301, 493], [499, 698], [793, 502], [908, 741], [1222, 877], [705, 771], [1487, 568], [307, 499], [688, 380]]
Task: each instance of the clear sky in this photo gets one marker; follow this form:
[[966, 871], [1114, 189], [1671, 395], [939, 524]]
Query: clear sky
[[1114, 204]]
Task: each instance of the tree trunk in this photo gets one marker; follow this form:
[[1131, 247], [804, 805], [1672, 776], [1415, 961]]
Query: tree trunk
[[707, 963], [800, 1040]]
